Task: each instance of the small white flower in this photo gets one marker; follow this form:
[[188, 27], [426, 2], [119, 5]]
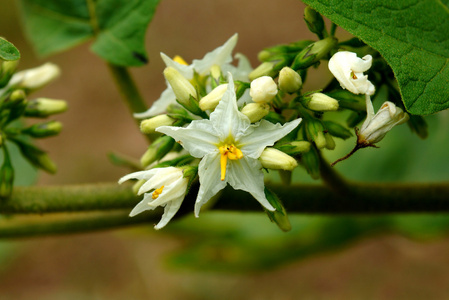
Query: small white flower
[[229, 147], [163, 187], [221, 56], [377, 125], [348, 69], [263, 89]]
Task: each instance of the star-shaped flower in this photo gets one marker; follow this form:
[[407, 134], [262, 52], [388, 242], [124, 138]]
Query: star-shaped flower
[[163, 187], [221, 57], [229, 147]]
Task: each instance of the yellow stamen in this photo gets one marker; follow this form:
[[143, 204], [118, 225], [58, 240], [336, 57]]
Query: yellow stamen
[[353, 75], [180, 60], [157, 192], [231, 152]]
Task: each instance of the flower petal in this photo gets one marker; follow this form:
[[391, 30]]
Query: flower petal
[[186, 71], [262, 135], [141, 206], [220, 56], [160, 105], [246, 174], [210, 183], [171, 208], [199, 138], [138, 175], [226, 118], [241, 71]]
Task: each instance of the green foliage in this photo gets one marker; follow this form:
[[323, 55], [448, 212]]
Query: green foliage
[[117, 26], [412, 36], [8, 51]]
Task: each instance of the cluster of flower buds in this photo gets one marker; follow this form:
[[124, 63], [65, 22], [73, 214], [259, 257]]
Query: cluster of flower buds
[[15, 88]]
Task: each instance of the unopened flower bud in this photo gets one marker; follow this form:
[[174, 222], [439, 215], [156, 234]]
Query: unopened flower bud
[[337, 130], [44, 107], [321, 102], [314, 130], [279, 215], [6, 178], [36, 78], [157, 150], [263, 89], [42, 130], [272, 158], [314, 21], [311, 162], [264, 69], [182, 88], [211, 100], [289, 80], [7, 69], [348, 100], [255, 111], [295, 147], [149, 126], [37, 157], [330, 143], [313, 53]]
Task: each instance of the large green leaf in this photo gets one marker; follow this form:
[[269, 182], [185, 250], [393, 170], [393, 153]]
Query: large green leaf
[[412, 36], [117, 26], [8, 51]]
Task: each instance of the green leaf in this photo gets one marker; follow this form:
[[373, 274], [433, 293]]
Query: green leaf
[[8, 51], [117, 26], [412, 36]]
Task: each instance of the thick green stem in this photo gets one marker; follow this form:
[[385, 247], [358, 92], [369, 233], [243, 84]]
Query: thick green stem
[[50, 210]]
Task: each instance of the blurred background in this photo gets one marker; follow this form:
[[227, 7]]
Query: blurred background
[[220, 256]]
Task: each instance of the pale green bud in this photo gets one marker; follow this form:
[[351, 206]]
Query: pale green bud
[[44, 107], [314, 130], [337, 130], [149, 126], [255, 111], [211, 100], [272, 158], [263, 89], [215, 72], [311, 162], [264, 69], [36, 78], [289, 80], [295, 147], [330, 143], [182, 88], [42, 130], [6, 179], [279, 216], [314, 21], [7, 69], [314, 53], [157, 150], [322, 102]]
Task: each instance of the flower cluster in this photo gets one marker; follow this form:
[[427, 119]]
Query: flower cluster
[[234, 122], [15, 88]]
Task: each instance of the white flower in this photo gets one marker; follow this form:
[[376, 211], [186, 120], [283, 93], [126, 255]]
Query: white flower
[[377, 125], [348, 69], [229, 147], [263, 89], [221, 56], [163, 187]]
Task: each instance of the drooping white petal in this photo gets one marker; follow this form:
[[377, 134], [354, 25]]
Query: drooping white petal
[[138, 175], [220, 56], [160, 105], [369, 112], [172, 191], [209, 172], [170, 209], [185, 70], [199, 138], [142, 206], [262, 135], [161, 179], [246, 174], [226, 118]]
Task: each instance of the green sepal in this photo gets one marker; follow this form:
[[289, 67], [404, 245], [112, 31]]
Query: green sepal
[[337, 130], [313, 53], [35, 156], [193, 106], [157, 150], [279, 216], [177, 162], [311, 162]]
